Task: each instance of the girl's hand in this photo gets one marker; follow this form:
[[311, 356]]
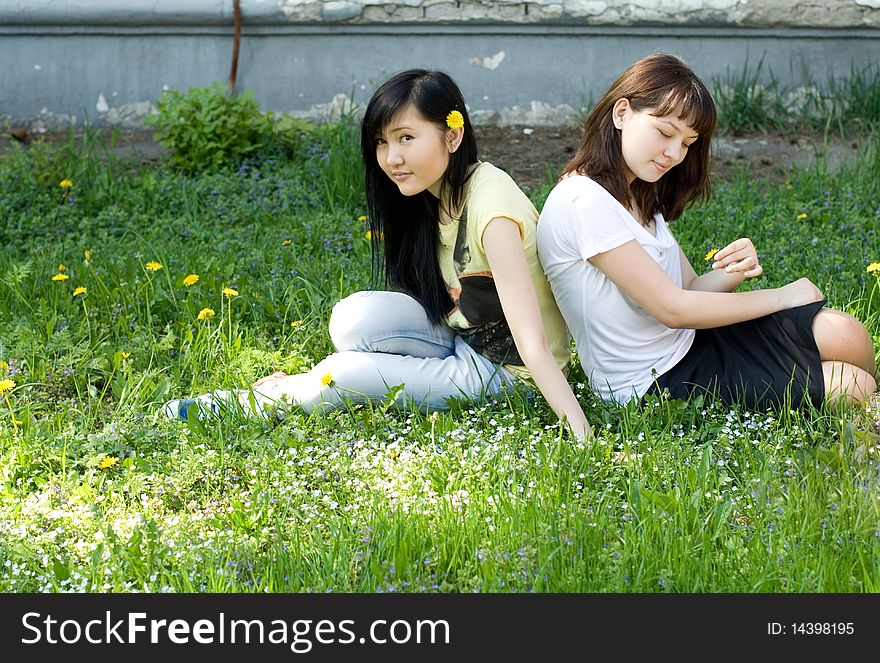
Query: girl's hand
[[739, 256], [277, 375], [801, 292]]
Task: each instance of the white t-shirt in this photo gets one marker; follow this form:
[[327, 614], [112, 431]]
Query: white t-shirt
[[620, 344]]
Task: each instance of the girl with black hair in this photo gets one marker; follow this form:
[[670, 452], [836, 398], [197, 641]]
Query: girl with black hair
[[643, 320], [468, 309]]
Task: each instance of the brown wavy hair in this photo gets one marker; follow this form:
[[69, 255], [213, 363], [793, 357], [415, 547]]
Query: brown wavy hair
[[660, 84]]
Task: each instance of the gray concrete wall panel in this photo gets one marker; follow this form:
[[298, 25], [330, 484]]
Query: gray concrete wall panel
[[107, 62]]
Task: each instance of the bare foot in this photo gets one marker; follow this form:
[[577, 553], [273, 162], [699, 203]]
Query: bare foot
[[277, 375]]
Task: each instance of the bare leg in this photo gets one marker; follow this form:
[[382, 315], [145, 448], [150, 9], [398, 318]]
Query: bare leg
[[846, 384], [842, 338]]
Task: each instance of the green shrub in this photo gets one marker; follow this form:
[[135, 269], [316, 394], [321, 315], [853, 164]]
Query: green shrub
[[292, 133], [205, 128]]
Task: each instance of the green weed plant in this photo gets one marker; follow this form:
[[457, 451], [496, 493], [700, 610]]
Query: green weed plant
[[207, 128], [752, 100]]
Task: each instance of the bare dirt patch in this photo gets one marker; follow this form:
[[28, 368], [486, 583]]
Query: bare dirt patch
[[533, 155], [529, 153]]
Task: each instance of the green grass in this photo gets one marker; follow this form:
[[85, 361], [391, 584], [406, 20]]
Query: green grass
[[752, 100], [98, 493]]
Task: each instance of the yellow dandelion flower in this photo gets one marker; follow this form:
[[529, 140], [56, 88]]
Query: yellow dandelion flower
[[65, 183], [87, 255], [801, 216], [153, 266], [124, 355], [4, 366], [327, 380], [16, 422], [60, 277], [710, 255], [62, 268], [192, 279], [107, 463], [296, 323], [6, 385], [80, 291], [368, 235], [206, 313], [455, 120], [362, 217], [286, 242], [873, 268], [230, 292]]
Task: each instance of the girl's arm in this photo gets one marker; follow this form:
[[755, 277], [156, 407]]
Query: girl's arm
[[510, 270], [733, 264], [632, 270]]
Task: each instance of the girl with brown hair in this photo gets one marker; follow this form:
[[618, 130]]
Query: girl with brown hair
[[642, 319]]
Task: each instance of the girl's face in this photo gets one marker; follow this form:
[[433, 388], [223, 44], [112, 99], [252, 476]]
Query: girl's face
[[651, 145], [414, 152]]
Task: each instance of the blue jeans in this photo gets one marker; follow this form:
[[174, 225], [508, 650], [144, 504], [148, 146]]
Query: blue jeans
[[385, 339]]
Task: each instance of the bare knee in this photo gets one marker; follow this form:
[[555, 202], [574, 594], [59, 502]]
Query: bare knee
[[841, 337]]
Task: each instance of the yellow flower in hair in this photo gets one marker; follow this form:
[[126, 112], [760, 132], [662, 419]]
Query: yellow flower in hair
[[455, 120]]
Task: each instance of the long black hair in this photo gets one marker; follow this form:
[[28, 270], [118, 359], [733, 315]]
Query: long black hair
[[661, 83], [405, 229]]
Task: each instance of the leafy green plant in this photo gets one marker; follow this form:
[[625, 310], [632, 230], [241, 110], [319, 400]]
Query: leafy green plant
[[291, 133], [205, 128]]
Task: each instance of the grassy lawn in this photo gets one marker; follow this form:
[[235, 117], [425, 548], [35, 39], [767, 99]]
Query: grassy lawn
[[99, 326]]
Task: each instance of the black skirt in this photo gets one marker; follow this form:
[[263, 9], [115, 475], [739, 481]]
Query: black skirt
[[769, 362]]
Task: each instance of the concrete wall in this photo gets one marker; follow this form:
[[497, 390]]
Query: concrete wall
[[107, 61]]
